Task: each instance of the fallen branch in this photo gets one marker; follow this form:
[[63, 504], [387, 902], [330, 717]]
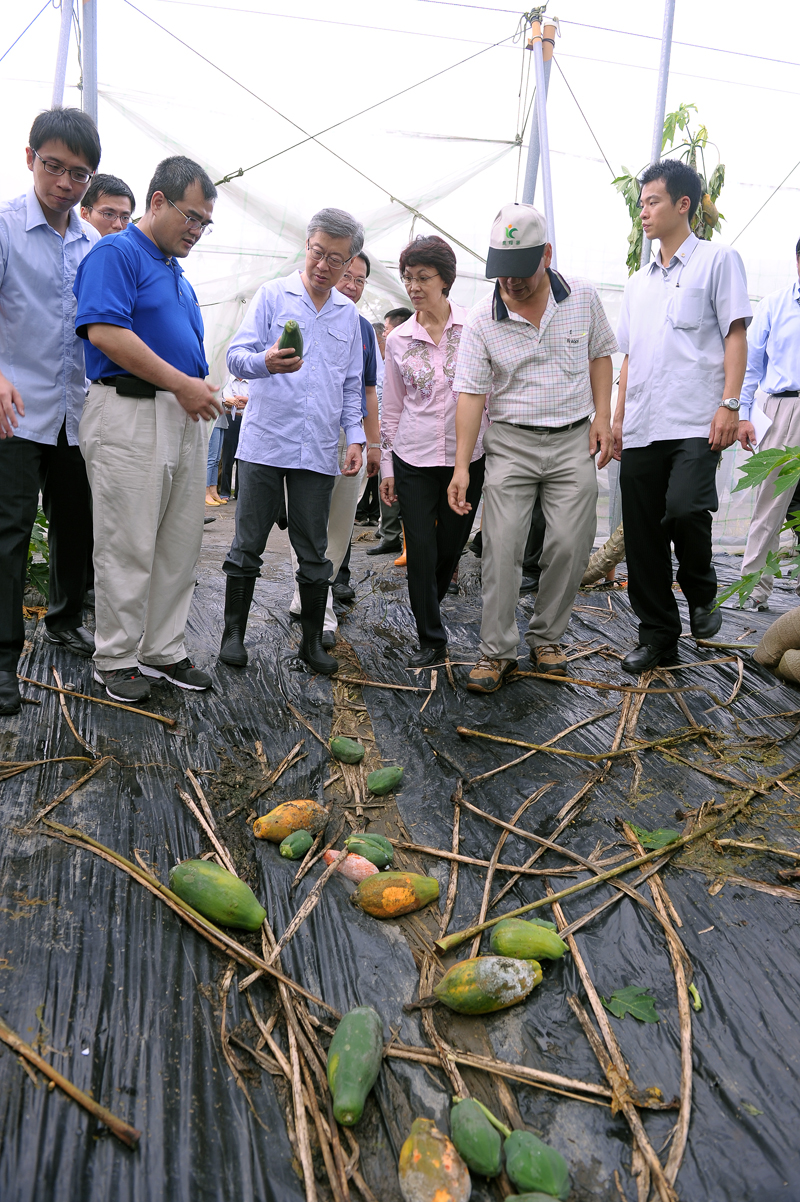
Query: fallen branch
[[98, 764], [459, 858], [452, 883], [308, 905], [304, 722], [288, 760], [123, 1131], [666, 741], [575, 726], [9, 768], [65, 712], [377, 684], [117, 705], [762, 847]]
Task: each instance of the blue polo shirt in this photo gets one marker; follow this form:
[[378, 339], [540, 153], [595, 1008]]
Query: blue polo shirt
[[132, 284], [370, 372]]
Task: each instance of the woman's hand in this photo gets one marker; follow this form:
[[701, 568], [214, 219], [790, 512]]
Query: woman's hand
[[388, 495], [457, 491]]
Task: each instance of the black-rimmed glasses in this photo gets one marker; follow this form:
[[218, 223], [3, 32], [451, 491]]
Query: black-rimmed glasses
[[194, 223], [77, 174]]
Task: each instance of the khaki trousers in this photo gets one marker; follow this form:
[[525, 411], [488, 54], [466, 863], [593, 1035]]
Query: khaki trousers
[[146, 462], [344, 499], [520, 466], [770, 511]]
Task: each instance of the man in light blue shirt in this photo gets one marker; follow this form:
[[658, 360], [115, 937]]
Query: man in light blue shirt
[[42, 386], [290, 430], [773, 365]]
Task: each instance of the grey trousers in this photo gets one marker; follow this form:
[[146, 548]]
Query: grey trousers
[[770, 511], [261, 490], [391, 521], [520, 466]]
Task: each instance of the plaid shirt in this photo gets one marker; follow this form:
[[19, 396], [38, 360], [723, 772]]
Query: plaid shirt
[[535, 377]]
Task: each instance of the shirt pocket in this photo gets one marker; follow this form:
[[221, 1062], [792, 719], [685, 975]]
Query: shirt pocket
[[280, 325], [685, 308], [576, 352], [335, 347]]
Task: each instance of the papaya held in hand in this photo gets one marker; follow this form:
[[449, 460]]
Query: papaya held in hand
[[304, 815], [354, 1061], [291, 338], [217, 894]]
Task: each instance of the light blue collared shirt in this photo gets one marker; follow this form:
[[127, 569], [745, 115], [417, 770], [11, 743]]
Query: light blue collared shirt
[[293, 420], [40, 352], [773, 347]]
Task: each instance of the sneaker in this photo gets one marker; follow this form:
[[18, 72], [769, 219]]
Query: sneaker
[[760, 606], [184, 674], [487, 675], [550, 659], [123, 684]]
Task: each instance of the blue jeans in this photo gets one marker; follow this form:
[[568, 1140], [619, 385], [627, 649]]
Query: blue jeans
[[214, 451]]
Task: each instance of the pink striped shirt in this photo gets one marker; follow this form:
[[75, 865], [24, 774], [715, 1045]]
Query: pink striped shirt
[[418, 408]]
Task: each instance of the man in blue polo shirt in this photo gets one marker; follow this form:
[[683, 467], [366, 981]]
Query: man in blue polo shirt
[[141, 434]]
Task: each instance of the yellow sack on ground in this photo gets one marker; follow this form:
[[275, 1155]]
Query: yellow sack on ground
[[789, 667], [782, 636]]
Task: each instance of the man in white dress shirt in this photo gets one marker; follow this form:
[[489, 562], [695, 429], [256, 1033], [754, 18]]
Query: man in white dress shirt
[[682, 329]]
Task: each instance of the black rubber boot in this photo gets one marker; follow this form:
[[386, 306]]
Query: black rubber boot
[[313, 599], [238, 598]]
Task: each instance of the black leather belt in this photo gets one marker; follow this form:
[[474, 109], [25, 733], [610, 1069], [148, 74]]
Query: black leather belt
[[550, 429], [129, 386], [794, 393]]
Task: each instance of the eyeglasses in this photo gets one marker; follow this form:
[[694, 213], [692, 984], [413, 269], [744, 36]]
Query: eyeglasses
[[419, 279], [334, 261], [77, 174], [194, 223], [109, 215], [354, 279]]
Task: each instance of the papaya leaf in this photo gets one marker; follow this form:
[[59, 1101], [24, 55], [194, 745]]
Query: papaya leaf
[[763, 463], [751, 1109], [632, 1000], [39, 576], [654, 839]]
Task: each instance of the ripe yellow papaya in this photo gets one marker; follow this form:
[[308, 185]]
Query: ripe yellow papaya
[[290, 816], [487, 983], [430, 1168], [390, 894]]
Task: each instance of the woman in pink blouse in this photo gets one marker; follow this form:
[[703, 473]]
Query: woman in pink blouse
[[418, 436]]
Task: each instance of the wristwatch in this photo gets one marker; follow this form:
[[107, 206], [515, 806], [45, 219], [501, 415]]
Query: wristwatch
[[731, 403], [373, 446]]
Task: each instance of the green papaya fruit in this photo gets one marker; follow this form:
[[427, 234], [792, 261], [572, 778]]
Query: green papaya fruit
[[354, 1061], [487, 983], [217, 894], [525, 941], [476, 1140], [382, 780], [347, 750], [295, 846], [532, 1165], [369, 847], [291, 337]]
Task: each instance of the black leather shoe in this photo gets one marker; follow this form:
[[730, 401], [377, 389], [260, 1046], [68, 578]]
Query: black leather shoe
[[427, 656], [80, 640], [529, 584], [394, 547], [705, 621], [343, 593], [645, 657], [10, 700], [207, 520]]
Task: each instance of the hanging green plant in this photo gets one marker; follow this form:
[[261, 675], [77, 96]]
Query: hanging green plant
[[39, 568]]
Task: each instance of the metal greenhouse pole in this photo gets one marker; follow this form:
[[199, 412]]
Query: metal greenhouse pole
[[532, 166], [63, 53], [661, 101], [90, 58], [535, 17]]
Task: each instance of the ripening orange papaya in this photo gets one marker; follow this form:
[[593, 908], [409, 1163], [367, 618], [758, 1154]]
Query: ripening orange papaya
[[390, 894], [487, 983], [430, 1168], [303, 815]]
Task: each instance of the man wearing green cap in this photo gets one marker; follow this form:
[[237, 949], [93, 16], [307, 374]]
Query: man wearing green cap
[[540, 347]]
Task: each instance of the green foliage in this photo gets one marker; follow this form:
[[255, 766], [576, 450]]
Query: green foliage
[[706, 220], [654, 839], [39, 569], [632, 1000]]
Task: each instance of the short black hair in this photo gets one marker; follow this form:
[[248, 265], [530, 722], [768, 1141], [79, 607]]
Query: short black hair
[[70, 126], [174, 175], [106, 185], [797, 248], [379, 328], [362, 254], [429, 250], [397, 316], [679, 179]]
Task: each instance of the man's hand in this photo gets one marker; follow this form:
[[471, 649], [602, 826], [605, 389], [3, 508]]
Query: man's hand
[[388, 495], [239, 402], [457, 491], [352, 460], [11, 406], [197, 398], [724, 429], [373, 461], [616, 438], [281, 362], [601, 443], [747, 436]]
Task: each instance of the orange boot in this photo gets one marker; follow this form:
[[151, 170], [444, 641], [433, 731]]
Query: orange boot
[[401, 560]]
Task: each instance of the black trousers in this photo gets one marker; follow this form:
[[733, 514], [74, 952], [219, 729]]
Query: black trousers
[[435, 538], [261, 494], [369, 505], [230, 445], [26, 468], [668, 495]]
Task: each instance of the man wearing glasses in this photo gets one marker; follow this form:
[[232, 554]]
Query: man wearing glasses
[[141, 435], [108, 204], [290, 430], [42, 387]]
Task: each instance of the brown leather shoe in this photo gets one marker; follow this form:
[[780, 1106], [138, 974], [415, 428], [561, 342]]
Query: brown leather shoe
[[550, 659], [487, 675]]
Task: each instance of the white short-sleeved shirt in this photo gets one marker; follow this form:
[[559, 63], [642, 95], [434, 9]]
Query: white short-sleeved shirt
[[672, 327]]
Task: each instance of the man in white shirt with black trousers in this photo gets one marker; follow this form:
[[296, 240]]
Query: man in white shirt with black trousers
[[682, 329]]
